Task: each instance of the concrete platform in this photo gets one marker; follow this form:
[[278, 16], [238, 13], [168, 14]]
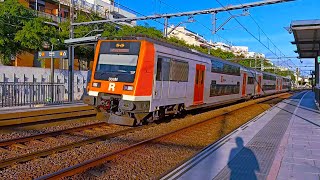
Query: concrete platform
[[282, 143], [6, 110], [18, 116]]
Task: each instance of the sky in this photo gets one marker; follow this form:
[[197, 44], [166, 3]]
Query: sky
[[270, 18]]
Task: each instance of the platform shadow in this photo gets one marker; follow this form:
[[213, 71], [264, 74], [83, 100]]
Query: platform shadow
[[243, 163]]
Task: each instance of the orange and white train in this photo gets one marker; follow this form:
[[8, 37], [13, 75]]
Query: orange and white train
[[139, 79]]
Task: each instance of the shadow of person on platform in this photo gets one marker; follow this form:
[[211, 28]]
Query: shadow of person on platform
[[243, 164]]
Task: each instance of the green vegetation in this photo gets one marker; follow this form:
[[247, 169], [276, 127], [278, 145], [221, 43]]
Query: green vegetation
[[22, 30], [13, 16], [268, 66]]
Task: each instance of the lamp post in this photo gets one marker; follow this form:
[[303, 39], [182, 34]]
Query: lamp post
[[52, 71], [52, 74]]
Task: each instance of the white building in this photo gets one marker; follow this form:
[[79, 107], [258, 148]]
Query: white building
[[193, 38], [254, 55], [105, 8], [222, 46], [240, 50], [188, 36]]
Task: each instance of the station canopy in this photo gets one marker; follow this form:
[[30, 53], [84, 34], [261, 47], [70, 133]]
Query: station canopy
[[307, 37]]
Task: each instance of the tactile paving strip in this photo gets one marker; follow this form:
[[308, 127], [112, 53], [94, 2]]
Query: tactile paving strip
[[255, 159]]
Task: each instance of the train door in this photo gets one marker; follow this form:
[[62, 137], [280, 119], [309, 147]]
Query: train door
[[244, 84], [259, 84], [199, 84], [280, 85], [277, 84]]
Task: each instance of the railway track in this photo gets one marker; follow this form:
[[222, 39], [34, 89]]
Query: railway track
[[92, 128], [21, 140], [165, 138]]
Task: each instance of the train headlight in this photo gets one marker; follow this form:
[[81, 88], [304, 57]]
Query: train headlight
[[96, 84], [128, 88]]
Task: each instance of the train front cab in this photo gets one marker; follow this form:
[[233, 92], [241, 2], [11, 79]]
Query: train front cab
[[122, 80]]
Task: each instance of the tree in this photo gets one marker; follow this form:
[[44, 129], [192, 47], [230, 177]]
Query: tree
[[138, 30], [84, 54], [13, 16], [35, 33]]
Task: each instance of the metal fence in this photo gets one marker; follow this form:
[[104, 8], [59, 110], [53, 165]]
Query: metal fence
[[29, 94]]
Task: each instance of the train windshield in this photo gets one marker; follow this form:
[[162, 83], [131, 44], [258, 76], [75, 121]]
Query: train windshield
[[116, 67]]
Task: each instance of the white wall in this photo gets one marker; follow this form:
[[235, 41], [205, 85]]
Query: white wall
[[42, 75]]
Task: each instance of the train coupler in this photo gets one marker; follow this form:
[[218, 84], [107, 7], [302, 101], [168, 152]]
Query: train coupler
[[121, 120]]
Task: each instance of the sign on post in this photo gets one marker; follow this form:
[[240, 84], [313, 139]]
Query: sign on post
[[318, 59], [53, 54]]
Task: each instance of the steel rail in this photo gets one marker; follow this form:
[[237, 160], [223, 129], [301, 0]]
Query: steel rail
[[49, 134], [62, 148], [78, 168], [47, 117]]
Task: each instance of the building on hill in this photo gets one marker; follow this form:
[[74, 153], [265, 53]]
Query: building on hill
[[222, 46], [59, 10], [193, 38], [254, 55], [188, 36]]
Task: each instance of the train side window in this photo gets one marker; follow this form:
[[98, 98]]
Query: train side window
[[159, 65], [227, 69], [179, 71], [216, 66], [163, 69], [238, 71], [250, 80], [202, 77]]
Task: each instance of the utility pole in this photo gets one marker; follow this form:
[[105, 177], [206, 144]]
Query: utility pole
[[298, 74], [165, 30], [71, 55], [214, 23], [215, 29], [255, 62], [52, 74]]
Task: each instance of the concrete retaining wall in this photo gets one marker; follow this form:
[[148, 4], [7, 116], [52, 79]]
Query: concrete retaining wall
[[42, 75]]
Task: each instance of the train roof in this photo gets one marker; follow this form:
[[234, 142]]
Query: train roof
[[171, 45], [184, 49]]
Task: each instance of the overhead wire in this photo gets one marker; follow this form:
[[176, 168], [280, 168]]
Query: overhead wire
[[203, 25], [246, 29], [268, 37], [134, 11]]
